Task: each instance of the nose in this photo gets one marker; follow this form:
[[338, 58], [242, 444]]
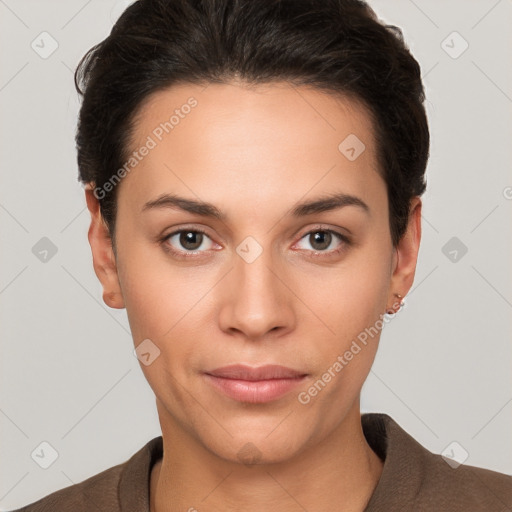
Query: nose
[[257, 301]]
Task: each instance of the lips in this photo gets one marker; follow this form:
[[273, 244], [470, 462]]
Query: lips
[[254, 385], [267, 372]]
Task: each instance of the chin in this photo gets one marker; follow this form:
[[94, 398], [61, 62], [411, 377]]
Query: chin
[[254, 454], [254, 447]]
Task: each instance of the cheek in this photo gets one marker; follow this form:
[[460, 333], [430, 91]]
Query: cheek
[[159, 302], [168, 306], [350, 305], [157, 292], [351, 296], [349, 302]]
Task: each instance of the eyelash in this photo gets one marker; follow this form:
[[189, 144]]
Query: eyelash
[[346, 241]]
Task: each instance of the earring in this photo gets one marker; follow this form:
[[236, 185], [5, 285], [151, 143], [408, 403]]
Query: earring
[[392, 311], [399, 297]]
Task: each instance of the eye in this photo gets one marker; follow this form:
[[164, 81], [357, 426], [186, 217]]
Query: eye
[[191, 242], [187, 240], [324, 241]]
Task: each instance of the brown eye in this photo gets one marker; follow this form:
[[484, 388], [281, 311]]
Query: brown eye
[[324, 242], [191, 240], [187, 240], [320, 240]]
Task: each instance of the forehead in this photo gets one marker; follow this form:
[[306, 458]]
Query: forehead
[[253, 141]]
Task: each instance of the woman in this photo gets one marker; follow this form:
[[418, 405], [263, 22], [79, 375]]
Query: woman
[[253, 171]]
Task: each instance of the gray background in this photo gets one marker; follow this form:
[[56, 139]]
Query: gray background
[[68, 374]]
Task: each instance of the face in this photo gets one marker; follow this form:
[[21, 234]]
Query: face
[[288, 264]]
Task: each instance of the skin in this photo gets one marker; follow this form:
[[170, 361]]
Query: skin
[[256, 152]]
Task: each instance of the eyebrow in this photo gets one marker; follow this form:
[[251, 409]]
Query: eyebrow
[[321, 204]]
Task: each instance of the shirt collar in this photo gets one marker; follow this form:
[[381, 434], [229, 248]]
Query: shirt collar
[[403, 470]]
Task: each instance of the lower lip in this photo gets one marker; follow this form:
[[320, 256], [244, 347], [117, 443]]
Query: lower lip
[[255, 392]]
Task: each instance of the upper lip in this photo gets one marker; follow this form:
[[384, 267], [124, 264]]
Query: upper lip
[[266, 372]]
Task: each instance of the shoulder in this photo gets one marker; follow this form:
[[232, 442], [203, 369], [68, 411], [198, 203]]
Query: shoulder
[[121, 487], [99, 492], [464, 487], [413, 478]]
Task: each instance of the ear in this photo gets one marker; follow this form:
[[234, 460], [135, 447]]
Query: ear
[[405, 257], [103, 256]]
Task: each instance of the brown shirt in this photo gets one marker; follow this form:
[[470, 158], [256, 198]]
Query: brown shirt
[[413, 479]]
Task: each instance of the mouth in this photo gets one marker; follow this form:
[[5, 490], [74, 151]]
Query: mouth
[[255, 385]]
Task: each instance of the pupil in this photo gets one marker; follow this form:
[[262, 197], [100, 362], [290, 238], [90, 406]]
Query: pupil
[[323, 238], [189, 238]]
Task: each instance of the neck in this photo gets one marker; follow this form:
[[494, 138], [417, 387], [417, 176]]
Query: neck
[[339, 473]]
